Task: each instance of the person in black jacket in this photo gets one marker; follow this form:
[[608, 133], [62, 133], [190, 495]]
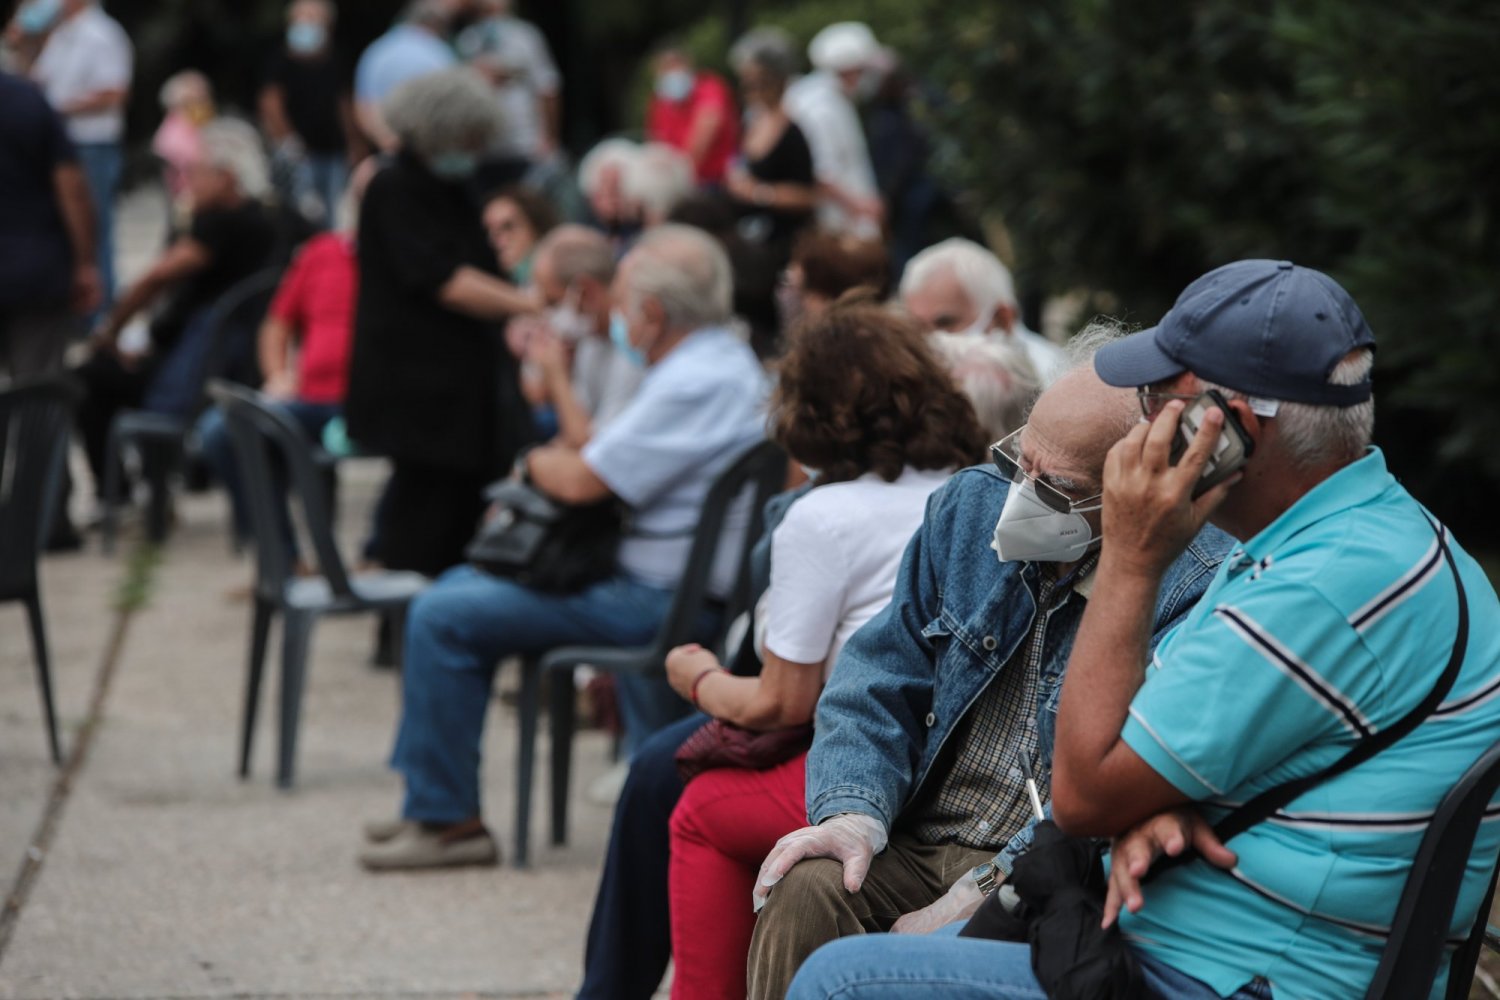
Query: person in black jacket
[[431, 384]]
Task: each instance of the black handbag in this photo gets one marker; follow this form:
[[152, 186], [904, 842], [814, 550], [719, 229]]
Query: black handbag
[[1060, 882], [545, 544]]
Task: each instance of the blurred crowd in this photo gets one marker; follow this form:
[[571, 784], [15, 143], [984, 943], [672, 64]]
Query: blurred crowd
[[940, 648]]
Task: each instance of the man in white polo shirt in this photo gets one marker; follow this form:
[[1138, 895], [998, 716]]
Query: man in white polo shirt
[[85, 71]]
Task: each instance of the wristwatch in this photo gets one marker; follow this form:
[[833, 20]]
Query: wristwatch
[[986, 877]]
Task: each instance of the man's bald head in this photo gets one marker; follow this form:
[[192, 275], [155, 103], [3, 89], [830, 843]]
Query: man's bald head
[[1078, 419]]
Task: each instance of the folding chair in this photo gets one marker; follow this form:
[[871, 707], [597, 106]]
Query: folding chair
[[160, 437], [1419, 934], [272, 448], [35, 423], [759, 472]]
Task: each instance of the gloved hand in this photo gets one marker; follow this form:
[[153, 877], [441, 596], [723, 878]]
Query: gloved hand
[[958, 903], [852, 838]]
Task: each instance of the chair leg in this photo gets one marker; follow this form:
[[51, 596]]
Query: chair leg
[[260, 634], [43, 672], [158, 458], [110, 523], [526, 756], [560, 713], [296, 637]]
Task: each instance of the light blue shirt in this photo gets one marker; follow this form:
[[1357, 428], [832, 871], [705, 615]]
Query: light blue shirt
[[403, 53], [1332, 623], [696, 411]]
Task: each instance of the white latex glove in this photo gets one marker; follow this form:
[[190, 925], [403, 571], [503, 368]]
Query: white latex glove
[[958, 903], [851, 838]]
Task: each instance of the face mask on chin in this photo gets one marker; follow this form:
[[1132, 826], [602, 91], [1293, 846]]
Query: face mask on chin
[[1030, 531]]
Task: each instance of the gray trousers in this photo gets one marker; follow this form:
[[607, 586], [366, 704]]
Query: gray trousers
[[811, 907]]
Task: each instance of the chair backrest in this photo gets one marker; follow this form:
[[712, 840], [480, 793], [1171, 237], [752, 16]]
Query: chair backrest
[[266, 441], [1419, 932], [35, 421], [234, 322], [758, 473]]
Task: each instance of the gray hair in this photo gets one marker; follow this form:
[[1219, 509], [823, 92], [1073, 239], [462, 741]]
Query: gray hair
[[1316, 436], [449, 111], [608, 152], [686, 271], [769, 49], [658, 178], [234, 146], [986, 280], [1078, 355], [996, 376], [577, 251], [181, 86]]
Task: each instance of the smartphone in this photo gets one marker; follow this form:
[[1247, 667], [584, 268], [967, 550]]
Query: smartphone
[[1231, 451]]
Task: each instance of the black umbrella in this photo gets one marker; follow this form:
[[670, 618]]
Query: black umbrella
[[1061, 885]]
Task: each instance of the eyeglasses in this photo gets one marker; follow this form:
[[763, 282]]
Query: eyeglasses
[[1006, 454], [1152, 401]]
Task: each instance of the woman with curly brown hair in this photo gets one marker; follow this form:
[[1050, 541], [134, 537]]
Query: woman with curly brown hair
[[864, 401]]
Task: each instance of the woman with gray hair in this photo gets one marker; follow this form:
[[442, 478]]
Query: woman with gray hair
[[228, 238], [431, 384]]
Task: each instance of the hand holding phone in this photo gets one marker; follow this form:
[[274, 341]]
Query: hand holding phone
[[1231, 451]]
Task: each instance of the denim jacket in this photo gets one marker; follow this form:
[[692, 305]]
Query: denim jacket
[[907, 677]]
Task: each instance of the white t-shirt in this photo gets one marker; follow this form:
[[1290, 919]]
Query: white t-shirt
[[837, 141], [87, 53], [696, 412], [834, 559], [604, 380]]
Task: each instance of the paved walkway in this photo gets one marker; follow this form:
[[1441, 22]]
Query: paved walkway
[[144, 868]]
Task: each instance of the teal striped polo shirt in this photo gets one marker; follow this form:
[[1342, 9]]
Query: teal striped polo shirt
[[1329, 625]]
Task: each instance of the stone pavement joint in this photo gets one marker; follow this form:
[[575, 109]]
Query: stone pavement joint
[[36, 852]]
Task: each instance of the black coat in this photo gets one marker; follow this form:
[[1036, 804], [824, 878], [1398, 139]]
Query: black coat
[[427, 385]]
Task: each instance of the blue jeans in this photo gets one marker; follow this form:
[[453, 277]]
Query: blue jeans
[[457, 632], [218, 452], [902, 967], [101, 163], [630, 932]]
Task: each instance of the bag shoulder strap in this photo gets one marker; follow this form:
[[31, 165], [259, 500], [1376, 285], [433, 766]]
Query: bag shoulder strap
[[1267, 803]]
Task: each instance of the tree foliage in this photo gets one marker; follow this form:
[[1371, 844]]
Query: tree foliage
[[1131, 146]]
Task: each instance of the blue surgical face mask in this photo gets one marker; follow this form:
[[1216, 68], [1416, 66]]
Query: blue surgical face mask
[[619, 335], [37, 16], [306, 37], [454, 166], [675, 85]]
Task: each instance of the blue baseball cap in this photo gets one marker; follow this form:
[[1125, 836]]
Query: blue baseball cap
[[1262, 327]]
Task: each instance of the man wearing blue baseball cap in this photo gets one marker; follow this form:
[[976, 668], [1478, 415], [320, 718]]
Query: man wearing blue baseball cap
[[1335, 627]]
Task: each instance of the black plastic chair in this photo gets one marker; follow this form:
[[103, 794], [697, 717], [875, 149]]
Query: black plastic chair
[[160, 438], [1419, 933], [271, 448], [35, 422], [760, 472]]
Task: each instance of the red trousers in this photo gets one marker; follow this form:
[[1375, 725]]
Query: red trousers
[[724, 826]]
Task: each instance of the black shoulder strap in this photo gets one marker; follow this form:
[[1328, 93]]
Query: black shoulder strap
[[1271, 800]]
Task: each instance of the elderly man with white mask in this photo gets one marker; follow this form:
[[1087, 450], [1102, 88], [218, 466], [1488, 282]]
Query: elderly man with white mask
[[957, 286]]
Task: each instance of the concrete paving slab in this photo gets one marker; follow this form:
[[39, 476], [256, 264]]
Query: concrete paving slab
[[169, 877]]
